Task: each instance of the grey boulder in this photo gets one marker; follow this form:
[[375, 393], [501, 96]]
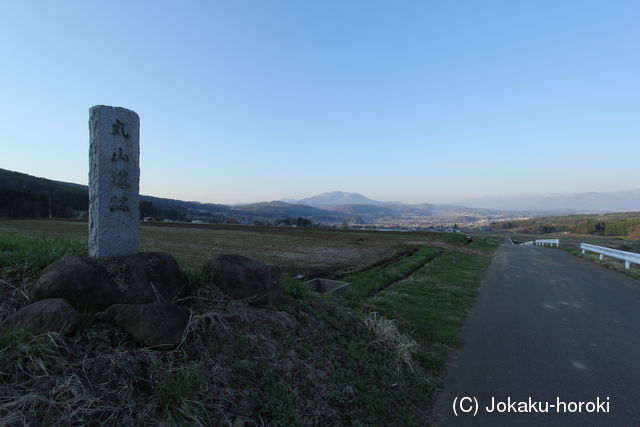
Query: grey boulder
[[53, 314], [93, 284], [157, 325], [241, 277]]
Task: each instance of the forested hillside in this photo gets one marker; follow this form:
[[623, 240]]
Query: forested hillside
[[26, 196]]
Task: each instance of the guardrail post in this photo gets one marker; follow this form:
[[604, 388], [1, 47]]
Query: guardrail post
[[628, 257]]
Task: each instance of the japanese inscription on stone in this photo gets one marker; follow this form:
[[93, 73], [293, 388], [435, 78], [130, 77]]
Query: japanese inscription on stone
[[119, 156], [120, 179], [118, 129], [118, 204], [114, 175]]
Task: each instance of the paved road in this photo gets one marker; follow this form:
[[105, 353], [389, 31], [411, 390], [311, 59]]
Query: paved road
[[548, 325]]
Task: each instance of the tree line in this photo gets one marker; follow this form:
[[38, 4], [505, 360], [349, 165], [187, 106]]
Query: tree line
[[626, 227], [28, 204], [598, 226]]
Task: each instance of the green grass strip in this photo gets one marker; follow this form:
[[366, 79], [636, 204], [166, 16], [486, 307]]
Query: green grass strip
[[369, 282], [432, 303], [25, 257]]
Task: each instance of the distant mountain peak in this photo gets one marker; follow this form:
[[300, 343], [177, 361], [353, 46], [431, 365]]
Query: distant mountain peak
[[336, 198]]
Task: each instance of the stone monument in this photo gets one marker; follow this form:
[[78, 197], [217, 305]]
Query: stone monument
[[114, 181]]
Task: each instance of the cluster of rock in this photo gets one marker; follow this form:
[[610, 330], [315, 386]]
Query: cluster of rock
[[137, 293]]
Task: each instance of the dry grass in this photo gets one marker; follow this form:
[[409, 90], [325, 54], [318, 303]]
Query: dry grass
[[304, 361], [387, 333]]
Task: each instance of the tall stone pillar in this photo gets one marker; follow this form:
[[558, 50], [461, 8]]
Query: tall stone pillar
[[114, 181]]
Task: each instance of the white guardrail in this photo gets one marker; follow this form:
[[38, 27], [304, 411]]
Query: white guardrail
[[543, 242], [627, 257]]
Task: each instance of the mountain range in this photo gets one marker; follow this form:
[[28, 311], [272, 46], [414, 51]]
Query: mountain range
[[619, 201], [23, 195], [358, 205], [26, 196]]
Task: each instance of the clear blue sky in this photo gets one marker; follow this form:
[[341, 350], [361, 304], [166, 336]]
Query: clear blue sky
[[414, 101]]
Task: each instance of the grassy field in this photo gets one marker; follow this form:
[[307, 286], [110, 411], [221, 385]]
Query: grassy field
[[307, 251], [372, 358]]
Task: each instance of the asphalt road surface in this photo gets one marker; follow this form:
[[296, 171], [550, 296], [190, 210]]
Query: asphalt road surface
[[553, 328]]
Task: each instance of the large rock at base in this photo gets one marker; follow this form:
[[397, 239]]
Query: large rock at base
[[241, 277], [54, 314], [93, 284], [155, 325]]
